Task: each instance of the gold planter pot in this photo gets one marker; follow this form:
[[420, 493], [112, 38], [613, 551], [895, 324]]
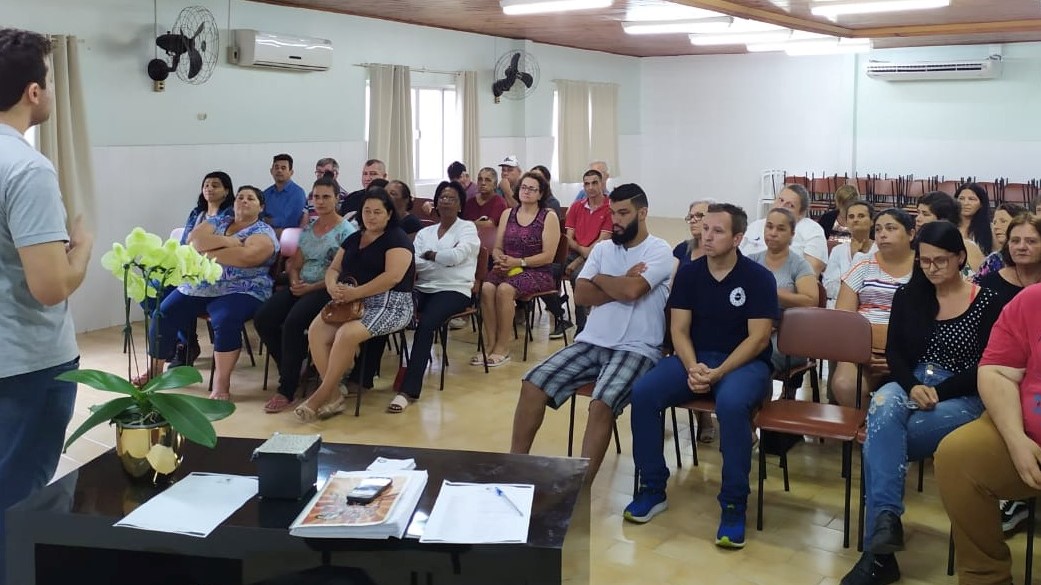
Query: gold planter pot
[[150, 451]]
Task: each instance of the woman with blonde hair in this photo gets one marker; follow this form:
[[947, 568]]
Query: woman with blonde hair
[[834, 220]]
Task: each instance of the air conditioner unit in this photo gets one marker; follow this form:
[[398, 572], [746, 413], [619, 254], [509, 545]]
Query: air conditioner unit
[[935, 70], [261, 49]]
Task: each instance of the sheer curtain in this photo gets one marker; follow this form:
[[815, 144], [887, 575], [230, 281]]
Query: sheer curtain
[[603, 125], [63, 137], [390, 120], [572, 129], [466, 97]]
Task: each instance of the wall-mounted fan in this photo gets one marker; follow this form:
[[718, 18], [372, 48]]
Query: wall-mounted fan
[[516, 76], [191, 45]]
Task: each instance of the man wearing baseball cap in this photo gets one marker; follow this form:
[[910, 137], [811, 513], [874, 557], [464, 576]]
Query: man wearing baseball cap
[[510, 171]]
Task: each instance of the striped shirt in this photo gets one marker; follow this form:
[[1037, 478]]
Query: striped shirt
[[874, 288]]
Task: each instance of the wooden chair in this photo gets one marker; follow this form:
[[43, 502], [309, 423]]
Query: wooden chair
[[473, 311], [587, 391], [823, 334]]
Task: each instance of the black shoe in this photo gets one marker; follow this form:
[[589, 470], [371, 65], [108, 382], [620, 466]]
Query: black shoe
[[888, 536], [562, 326], [873, 570], [1013, 513], [180, 356]]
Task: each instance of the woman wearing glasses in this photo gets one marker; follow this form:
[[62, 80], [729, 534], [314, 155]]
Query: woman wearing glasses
[[938, 330], [690, 250]]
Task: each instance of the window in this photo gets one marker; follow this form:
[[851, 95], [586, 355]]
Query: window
[[435, 131]]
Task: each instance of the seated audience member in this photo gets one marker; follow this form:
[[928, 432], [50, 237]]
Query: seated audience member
[[1021, 257], [796, 282], [524, 250], [285, 201], [401, 195], [937, 205], [446, 261], [379, 257], [690, 250], [325, 165], [868, 289], [939, 328], [457, 172], [999, 229], [809, 239], [858, 222], [974, 222], [487, 206], [833, 221], [283, 320], [510, 173], [554, 304], [723, 308], [601, 167], [350, 206], [997, 455], [551, 201], [587, 223], [246, 247], [626, 282]]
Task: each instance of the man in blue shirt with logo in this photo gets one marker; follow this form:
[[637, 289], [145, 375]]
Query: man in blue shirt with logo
[[285, 201], [722, 307]]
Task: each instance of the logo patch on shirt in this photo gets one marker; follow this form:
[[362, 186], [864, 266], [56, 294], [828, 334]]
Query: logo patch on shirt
[[737, 297]]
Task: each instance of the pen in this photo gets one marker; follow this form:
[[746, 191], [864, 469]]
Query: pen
[[498, 491]]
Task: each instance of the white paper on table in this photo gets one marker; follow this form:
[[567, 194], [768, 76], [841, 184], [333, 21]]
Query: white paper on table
[[384, 464], [193, 506], [473, 513]]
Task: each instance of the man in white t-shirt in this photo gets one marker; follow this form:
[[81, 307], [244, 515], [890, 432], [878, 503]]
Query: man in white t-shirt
[[626, 282], [809, 237]]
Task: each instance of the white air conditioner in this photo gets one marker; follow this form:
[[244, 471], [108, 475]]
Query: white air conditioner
[[261, 49], [935, 70]]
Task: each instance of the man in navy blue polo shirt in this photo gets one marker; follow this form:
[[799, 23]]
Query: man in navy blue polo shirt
[[285, 201], [722, 307]]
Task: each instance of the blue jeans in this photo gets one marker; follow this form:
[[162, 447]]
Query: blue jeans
[[897, 434], [178, 312], [34, 411], [737, 395]]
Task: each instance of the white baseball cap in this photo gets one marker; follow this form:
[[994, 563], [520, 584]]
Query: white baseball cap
[[510, 161]]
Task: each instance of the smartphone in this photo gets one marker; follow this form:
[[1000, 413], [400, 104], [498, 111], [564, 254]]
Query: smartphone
[[368, 490]]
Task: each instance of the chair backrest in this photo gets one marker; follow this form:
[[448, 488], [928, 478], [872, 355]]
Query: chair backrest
[[481, 274], [830, 334], [487, 236], [176, 234], [822, 295], [289, 241], [562, 249]]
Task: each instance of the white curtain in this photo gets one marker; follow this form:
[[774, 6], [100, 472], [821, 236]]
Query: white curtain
[[64, 138], [466, 98], [390, 120], [603, 125], [572, 129]]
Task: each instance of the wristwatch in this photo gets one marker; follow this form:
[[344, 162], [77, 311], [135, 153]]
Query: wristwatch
[[524, 263]]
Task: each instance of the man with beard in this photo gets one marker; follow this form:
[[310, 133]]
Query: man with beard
[[625, 281], [722, 311]]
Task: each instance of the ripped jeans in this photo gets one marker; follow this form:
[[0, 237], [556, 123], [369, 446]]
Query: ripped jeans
[[897, 434]]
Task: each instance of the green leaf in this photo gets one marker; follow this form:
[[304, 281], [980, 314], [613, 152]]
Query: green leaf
[[185, 418], [101, 381], [178, 377], [211, 409], [102, 413]]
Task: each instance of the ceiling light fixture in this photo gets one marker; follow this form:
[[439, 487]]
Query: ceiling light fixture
[[814, 46], [520, 7], [655, 27], [835, 9], [770, 36]]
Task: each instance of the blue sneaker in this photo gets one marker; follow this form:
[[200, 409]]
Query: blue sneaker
[[731, 533], [647, 504]]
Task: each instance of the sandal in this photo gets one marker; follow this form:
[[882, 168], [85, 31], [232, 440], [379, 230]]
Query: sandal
[[305, 413], [495, 360], [223, 396], [477, 360], [331, 409], [399, 403], [277, 404]]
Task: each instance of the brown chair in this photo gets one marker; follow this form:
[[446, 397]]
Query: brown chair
[[529, 300], [587, 391], [823, 334], [474, 311]]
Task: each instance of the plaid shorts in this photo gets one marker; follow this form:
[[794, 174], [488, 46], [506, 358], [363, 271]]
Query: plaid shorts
[[578, 364]]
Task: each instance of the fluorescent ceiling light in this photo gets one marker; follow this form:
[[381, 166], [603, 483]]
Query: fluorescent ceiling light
[[768, 36], [654, 27], [823, 45], [834, 9], [652, 10], [516, 7]]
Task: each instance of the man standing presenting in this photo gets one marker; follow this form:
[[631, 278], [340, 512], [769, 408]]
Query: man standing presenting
[[626, 281], [809, 235], [351, 206], [723, 306], [285, 201], [587, 222], [41, 265]]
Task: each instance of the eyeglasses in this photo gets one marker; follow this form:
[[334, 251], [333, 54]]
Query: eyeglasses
[[938, 263], [448, 198], [529, 189], [694, 216]]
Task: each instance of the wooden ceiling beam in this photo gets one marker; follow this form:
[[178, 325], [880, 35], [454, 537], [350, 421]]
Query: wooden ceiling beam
[[961, 28], [779, 18]]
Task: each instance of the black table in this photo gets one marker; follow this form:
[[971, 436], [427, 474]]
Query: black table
[[64, 534]]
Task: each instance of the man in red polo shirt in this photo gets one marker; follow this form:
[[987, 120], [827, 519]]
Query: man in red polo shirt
[[587, 222]]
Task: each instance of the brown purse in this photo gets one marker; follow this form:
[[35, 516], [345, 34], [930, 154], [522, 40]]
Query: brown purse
[[340, 312]]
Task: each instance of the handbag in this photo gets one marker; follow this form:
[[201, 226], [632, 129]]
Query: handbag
[[340, 312]]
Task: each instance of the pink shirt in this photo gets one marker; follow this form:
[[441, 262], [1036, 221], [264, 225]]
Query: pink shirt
[[1015, 342]]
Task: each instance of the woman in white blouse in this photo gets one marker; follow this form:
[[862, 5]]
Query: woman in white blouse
[[859, 215], [446, 261]]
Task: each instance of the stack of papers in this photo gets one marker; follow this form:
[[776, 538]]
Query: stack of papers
[[329, 515], [193, 506], [480, 513]]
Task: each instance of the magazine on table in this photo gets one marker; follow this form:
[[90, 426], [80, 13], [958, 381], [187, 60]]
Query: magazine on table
[[330, 514]]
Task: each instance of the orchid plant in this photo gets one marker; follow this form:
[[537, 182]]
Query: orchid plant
[[147, 266]]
